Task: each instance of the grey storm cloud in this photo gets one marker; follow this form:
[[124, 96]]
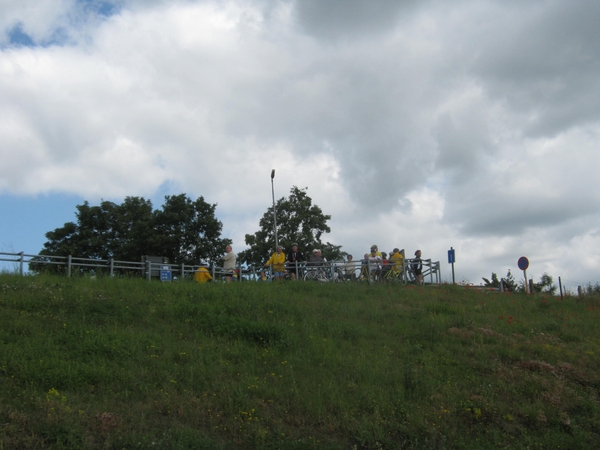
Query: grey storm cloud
[[472, 120], [349, 19]]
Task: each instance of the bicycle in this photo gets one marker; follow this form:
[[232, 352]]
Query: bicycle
[[324, 274], [373, 276], [393, 275]]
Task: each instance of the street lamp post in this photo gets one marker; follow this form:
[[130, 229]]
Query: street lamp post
[[274, 210]]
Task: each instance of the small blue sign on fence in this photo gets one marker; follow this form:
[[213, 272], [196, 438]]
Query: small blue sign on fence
[[165, 273], [451, 256]]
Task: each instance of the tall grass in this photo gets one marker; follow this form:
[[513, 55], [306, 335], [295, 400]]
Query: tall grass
[[116, 363]]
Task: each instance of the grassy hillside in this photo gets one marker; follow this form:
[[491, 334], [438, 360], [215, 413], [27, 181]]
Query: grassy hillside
[[114, 363]]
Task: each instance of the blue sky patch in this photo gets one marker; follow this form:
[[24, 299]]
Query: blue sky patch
[[100, 7], [18, 38]]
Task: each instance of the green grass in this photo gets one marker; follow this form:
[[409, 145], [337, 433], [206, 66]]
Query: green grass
[[127, 364]]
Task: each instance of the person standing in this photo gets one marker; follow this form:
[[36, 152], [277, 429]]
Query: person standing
[[377, 252], [398, 260], [374, 260], [316, 259], [417, 267], [277, 261], [294, 257], [229, 260]]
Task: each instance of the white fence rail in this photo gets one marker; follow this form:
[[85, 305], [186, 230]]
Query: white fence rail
[[337, 271]]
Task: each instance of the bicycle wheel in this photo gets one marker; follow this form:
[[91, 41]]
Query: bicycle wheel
[[310, 275], [364, 274]]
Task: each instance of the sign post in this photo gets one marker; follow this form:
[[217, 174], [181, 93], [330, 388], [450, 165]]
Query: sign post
[[451, 259], [523, 264], [165, 273]]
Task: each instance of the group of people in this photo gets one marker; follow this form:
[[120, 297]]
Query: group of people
[[281, 262], [376, 260], [202, 275], [379, 262]]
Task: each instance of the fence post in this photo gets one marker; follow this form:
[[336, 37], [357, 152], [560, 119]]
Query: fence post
[[560, 286], [148, 269], [111, 263], [182, 271], [430, 272], [21, 260], [69, 266]]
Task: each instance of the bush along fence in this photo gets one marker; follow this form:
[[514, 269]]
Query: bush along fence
[[157, 267]]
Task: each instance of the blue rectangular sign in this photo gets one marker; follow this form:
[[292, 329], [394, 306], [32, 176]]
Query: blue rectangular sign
[[165, 273], [451, 257]]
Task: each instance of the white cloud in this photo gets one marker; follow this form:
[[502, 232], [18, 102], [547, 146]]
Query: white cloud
[[414, 124]]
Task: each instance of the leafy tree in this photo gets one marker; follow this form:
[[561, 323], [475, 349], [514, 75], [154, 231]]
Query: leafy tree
[[298, 221], [184, 231], [545, 285], [187, 231], [509, 282], [592, 289], [100, 231], [495, 283]]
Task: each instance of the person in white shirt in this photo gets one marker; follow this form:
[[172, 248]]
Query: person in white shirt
[[229, 260]]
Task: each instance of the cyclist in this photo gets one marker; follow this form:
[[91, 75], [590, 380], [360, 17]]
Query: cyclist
[[277, 261], [385, 263], [315, 265], [398, 260], [349, 268], [417, 267], [374, 262], [316, 259], [364, 271], [377, 252], [202, 275], [294, 257], [229, 263]]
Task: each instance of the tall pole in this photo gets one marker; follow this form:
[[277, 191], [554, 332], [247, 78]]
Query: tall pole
[[453, 279], [274, 210]]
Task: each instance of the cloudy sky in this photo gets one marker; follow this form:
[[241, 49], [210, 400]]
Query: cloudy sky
[[427, 124]]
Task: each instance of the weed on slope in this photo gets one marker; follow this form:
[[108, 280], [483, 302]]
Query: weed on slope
[[118, 363]]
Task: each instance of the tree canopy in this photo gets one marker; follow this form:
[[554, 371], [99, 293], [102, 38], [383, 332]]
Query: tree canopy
[[298, 221], [184, 231], [545, 285]]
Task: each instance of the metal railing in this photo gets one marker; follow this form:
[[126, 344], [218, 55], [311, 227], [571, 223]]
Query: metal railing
[[334, 270]]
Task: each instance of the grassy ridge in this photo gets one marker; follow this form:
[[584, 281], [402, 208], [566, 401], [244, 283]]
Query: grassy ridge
[[113, 363]]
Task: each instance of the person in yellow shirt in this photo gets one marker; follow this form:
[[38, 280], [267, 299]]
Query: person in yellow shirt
[[277, 260], [377, 252], [202, 275], [398, 260]]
